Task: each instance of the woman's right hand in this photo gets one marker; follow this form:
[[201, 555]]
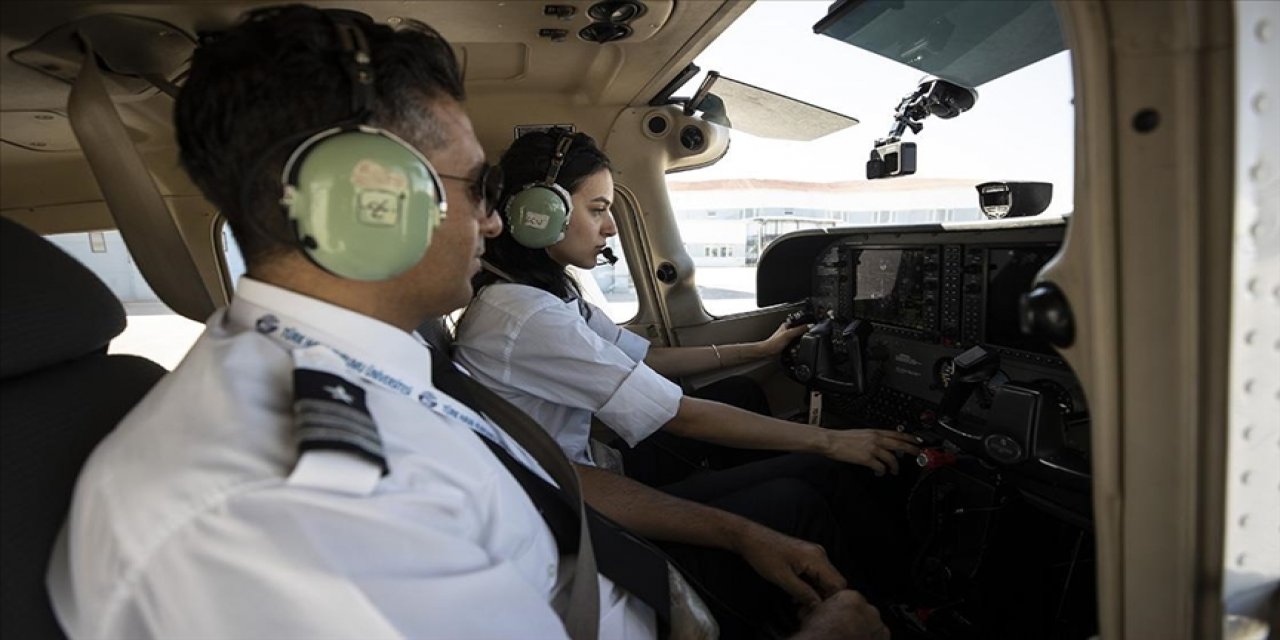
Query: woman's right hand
[[875, 449]]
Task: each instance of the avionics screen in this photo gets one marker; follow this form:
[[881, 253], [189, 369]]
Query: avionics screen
[[889, 287], [1010, 272]]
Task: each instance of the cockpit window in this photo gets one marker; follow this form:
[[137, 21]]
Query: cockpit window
[[1021, 128]]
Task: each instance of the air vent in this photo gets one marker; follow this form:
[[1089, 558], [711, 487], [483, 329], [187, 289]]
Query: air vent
[[692, 138], [611, 20], [603, 32], [666, 273], [616, 11], [656, 125]]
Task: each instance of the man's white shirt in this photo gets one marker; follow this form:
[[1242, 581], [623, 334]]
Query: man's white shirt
[[195, 519]]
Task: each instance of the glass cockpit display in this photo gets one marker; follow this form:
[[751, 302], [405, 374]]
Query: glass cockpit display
[[889, 287], [1010, 272]]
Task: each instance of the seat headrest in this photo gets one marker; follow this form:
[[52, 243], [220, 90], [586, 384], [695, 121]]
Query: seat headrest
[[52, 308]]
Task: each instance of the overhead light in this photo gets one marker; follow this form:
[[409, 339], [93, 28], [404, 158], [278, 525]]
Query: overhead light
[[616, 11]]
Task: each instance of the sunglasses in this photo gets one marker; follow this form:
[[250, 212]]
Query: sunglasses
[[485, 189]]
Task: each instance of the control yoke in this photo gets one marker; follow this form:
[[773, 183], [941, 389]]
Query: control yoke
[[969, 369], [832, 358], [1023, 421]]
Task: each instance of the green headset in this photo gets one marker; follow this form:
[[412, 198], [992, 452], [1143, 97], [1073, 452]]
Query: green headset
[[538, 213], [362, 203]]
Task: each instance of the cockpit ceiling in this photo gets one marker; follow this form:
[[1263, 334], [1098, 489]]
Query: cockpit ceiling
[[498, 43]]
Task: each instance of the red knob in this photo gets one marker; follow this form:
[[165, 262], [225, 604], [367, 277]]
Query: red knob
[[934, 458]]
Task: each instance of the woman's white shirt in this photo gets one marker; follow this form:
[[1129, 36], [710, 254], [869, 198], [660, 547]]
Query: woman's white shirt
[[540, 353]]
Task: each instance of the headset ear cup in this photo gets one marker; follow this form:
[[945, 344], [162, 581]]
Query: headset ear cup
[[538, 215], [363, 202]]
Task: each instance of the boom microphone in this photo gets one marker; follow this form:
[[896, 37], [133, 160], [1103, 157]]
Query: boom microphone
[[608, 258]]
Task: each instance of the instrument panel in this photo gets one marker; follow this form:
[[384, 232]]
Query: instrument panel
[[920, 327]]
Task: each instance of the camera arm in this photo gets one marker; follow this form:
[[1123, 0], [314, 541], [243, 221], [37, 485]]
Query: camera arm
[[911, 110], [891, 157]]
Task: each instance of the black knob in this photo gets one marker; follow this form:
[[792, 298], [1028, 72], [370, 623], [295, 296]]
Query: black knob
[[692, 138], [1044, 313], [666, 273]]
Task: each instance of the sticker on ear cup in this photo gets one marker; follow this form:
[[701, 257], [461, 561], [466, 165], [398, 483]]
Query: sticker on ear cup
[[536, 220], [381, 193], [379, 208]]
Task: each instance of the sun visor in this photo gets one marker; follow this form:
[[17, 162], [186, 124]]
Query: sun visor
[[965, 41], [763, 113]]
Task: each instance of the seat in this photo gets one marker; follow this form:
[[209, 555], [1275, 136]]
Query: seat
[[60, 393]]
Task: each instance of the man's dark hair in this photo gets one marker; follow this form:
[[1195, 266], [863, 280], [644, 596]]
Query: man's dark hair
[[527, 162], [263, 86]]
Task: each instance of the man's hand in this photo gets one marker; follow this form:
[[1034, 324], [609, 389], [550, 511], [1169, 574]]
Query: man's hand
[[782, 336], [846, 616], [875, 449], [800, 568]]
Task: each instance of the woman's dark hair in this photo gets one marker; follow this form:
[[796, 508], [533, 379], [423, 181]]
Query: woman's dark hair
[[525, 163], [258, 89]]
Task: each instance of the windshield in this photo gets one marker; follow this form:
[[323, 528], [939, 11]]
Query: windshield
[[1021, 128]]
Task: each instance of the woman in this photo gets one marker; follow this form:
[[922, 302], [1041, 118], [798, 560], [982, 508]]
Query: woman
[[529, 336]]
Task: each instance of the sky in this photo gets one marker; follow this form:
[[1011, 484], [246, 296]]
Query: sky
[[1021, 128]]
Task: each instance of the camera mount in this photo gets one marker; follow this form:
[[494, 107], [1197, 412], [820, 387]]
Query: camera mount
[[937, 97]]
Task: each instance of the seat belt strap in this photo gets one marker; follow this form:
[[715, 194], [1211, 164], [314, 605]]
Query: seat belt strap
[[620, 557], [582, 621], [127, 186]]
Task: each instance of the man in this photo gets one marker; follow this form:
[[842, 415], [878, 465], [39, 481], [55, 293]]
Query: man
[[300, 474]]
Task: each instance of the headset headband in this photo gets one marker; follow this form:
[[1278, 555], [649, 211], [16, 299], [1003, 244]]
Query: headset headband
[[357, 62], [557, 160]]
